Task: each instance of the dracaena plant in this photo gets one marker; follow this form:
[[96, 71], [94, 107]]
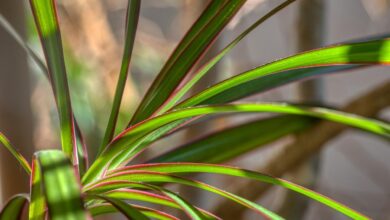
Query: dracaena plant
[[66, 185]]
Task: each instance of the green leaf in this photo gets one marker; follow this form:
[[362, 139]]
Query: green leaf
[[210, 64], [370, 52], [193, 45], [120, 180], [144, 196], [60, 186], [37, 208], [125, 145], [108, 208], [22, 161], [186, 168], [13, 209], [46, 22], [126, 209], [131, 27], [229, 143]]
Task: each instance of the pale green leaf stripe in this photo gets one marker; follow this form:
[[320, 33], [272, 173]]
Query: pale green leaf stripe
[[126, 209], [232, 171], [22, 161], [13, 209], [101, 209], [46, 22], [61, 187], [37, 208], [131, 27], [120, 180], [370, 52], [130, 136], [210, 64]]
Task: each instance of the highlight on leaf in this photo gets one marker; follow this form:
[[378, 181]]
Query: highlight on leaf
[[65, 184]]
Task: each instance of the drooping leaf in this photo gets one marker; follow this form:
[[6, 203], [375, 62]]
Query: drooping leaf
[[13, 209], [232, 171], [229, 143], [153, 213], [45, 17], [370, 52], [176, 96], [121, 180], [126, 209], [131, 27], [22, 161], [213, 19], [60, 186], [125, 145]]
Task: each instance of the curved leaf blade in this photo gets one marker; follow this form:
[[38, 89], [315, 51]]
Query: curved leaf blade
[[13, 209], [18, 156], [121, 144], [126, 209], [120, 180], [233, 171], [153, 213], [194, 44], [370, 52], [229, 143]]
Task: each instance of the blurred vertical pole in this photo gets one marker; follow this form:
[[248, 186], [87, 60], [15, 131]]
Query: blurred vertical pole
[[310, 28], [15, 108]]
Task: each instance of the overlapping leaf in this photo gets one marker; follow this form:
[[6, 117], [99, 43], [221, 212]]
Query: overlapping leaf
[[129, 137], [55, 184], [213, 19], [46, 22], [131, 27], [229, 143], [232, 171]]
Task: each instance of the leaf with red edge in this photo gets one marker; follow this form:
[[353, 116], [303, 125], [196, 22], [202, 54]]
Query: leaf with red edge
[[13, 209], [185, 168], [45, 17], [201, 35]]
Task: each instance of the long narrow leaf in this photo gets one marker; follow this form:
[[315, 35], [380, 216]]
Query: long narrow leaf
[[210, 64], [60, 186], [144, 196], [46, 22], [153, 213], [126, 209], [13, 209], [194, 44], [121, 144], [229, 143], [232, 171], [131, 27], [19, 157], [120, 180], [370, 52]]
